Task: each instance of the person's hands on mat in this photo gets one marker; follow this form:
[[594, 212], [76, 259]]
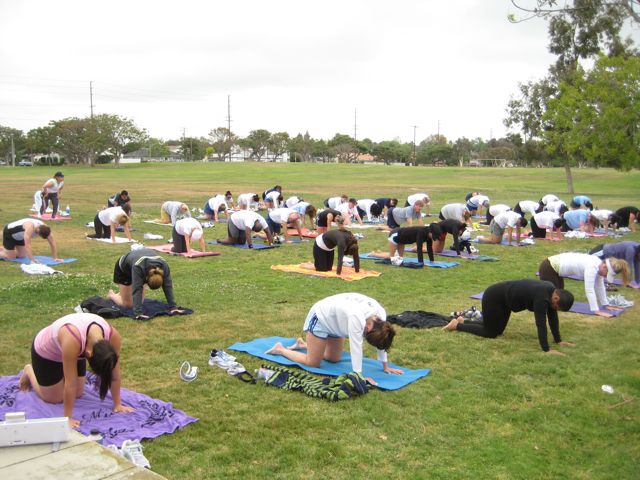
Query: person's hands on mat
[[395, 371], [613, 309], [123, 409], [73, 423]]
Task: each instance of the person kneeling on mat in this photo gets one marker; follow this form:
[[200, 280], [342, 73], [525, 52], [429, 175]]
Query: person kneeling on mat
[[499, 300], [59, 356], [326, 243], [184, 231], [330, 321], [133, 271]]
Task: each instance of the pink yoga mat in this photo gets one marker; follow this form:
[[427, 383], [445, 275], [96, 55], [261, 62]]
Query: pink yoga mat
[[194, 253], [47, 217]]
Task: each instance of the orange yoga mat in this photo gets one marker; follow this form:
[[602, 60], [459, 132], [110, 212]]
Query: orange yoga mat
[[348, 273]]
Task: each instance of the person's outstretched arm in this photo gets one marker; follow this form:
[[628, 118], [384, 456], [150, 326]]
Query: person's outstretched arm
[[116, 380]]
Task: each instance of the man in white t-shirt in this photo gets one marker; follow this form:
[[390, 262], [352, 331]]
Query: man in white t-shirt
[[248, 201], [543, 221], [505, 221], [280, 219], [242, 224], [423, 197], [456, 211], [17, 236], [349, 210]]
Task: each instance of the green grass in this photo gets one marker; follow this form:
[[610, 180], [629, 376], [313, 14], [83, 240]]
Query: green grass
[[490, 408]]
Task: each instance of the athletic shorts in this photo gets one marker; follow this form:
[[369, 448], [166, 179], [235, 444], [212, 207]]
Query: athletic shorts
[[496, 229], [312, 325], [273, 226], [239, 237], [8, 242], [391, 222], [120, 276], [207, 209], [48, 372]]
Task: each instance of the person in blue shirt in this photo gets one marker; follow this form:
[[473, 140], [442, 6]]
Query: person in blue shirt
[[582, 201], [580, 220]]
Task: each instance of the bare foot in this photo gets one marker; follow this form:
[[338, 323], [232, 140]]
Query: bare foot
[[299, 345], [308, 266], [452, 325], [460, 319], [25, 383], [276, 349]]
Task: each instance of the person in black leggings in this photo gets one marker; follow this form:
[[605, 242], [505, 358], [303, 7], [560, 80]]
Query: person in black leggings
[[499, 300], [326, 244], [455, 228], [400, 237], [325, 218]]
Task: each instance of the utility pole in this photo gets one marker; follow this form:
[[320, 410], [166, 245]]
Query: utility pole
[[438, 130], [91, 98], [414, 143], [355, 125], [229, 124], [184, 136], [13, 153]]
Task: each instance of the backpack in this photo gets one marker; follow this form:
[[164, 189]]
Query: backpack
[[100, 306]]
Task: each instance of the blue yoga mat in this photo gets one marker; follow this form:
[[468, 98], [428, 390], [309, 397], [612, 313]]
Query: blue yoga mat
[[370, 367], [411, 260], [577, 307], [256, 246], [42, 259]]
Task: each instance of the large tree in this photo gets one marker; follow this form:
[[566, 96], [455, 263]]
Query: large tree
[[278, 144], [113, 133], [578, 30], [76, 140], [257, 143], [222, 140], [596, 116], [7, 136]]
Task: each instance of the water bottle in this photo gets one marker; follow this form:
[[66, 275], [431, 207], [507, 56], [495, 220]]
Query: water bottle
[[67, 210], [264, 374]]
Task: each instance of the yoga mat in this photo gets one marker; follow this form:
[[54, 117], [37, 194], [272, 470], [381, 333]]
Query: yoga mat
[[550, 239], [577, 307], [151, 418], [155, 222], [410, 261], [616, 281], [47, 217], [42, 259], [194, 253], [463, 254], [503, 243], [348, 273], [370, 367], [256, 246], [118, 240], [153, 308], [305, 232]]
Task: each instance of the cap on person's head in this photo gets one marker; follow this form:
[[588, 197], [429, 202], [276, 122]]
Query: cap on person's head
[[196, 234], [59, 174]]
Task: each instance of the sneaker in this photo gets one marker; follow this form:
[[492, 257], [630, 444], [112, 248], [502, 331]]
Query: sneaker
[[132, 451], [221, 359]]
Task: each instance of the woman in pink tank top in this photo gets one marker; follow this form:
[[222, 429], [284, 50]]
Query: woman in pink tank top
[[59, 356]]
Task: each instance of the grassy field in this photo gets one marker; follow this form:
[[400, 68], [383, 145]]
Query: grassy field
[[490, 408]]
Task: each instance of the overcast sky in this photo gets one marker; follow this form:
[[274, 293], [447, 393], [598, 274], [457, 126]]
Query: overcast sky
[[294, 66]]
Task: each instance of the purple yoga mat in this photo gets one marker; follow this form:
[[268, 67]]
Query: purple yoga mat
[[616, 281], [151, 419], [577, 307], [452, 253]]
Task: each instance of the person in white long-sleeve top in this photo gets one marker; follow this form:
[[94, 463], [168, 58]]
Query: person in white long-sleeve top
[[590, 268], [331, 320]]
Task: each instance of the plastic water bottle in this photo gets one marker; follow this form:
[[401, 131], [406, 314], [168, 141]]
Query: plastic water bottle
[[264, 374], [67, 210]]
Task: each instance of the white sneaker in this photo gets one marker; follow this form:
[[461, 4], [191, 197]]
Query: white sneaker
[[132, 451]]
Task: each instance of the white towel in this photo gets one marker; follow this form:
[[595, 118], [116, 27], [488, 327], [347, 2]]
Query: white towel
[[38, 269]]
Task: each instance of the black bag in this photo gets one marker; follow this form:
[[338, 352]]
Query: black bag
[[100, 306]]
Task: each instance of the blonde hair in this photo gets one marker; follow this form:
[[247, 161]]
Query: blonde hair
[[621, 267], [155, 278], [122, 219]]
